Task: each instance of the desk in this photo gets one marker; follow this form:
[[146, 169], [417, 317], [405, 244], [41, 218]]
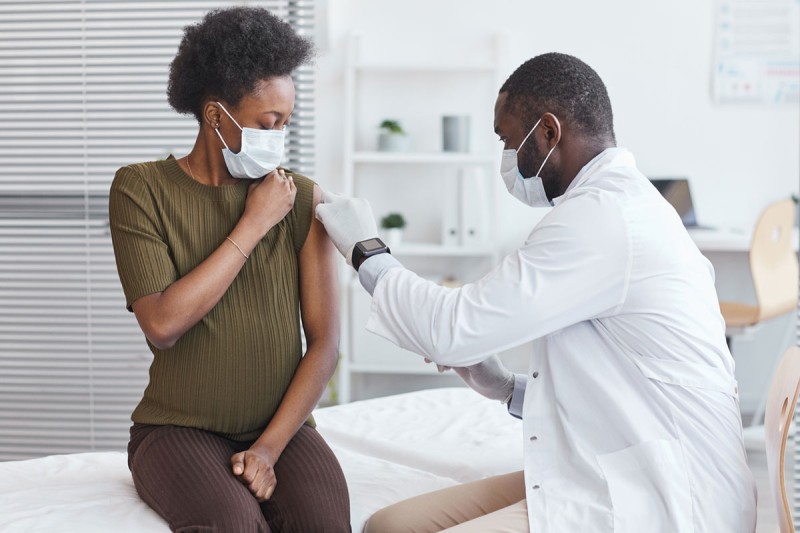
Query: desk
[[729, 239]]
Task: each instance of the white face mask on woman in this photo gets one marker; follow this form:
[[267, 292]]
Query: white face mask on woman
[[261, 152], [529, 191]]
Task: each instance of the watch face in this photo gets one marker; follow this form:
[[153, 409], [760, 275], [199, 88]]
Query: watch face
[[371, 244]]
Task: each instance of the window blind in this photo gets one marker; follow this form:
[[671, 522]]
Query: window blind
[[83, 92]]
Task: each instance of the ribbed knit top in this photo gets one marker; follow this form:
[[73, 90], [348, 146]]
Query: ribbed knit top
[[230, 371]]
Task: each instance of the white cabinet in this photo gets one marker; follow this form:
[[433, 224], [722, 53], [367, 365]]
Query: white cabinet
[[447, 198]]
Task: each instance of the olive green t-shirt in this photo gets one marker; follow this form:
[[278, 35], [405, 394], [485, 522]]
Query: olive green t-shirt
[[230, 371]]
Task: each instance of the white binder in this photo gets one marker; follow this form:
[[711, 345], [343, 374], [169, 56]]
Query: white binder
[[472, 207], [450, 211]]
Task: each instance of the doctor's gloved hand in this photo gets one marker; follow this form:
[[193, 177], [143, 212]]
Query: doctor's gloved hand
[[489, 378], [347, 221]]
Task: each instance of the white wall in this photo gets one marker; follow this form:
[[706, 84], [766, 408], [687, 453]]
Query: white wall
[[655, 58]]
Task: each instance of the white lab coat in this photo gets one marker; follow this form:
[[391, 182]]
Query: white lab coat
[[632, 421]]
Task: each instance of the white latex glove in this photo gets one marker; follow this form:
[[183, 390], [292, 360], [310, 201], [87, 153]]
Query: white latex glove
[[347, 221], [489, 378]]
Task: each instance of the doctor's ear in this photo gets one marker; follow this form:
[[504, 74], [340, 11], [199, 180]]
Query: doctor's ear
[[552, 128]]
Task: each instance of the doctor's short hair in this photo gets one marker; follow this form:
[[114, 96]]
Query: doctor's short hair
[[227, 53], [565, 86]]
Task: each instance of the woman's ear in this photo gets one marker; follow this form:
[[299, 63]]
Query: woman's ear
[[211, 114]]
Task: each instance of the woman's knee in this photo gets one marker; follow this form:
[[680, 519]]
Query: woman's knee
[[309, 505], [246, 522], [184, 475], [311, 494], [222, 510]]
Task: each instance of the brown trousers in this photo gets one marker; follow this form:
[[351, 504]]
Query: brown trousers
[[185, 475]]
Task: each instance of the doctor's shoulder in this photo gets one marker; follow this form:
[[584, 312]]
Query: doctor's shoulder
[[589, 223], [589, 220], [589, 207]]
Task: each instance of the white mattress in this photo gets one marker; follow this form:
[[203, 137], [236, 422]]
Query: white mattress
[[390, 449]]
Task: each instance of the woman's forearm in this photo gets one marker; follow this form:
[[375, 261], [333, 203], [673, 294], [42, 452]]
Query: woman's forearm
[[319, 306], [303, 394], [165, 316]]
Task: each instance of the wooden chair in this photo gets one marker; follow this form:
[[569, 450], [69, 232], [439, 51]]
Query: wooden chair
[[777, 419], [774, 270]]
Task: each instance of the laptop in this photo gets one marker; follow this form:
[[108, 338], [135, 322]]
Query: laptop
[[676, 192]]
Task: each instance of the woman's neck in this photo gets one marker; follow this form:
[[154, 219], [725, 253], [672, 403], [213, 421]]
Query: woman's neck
[[205, 163]]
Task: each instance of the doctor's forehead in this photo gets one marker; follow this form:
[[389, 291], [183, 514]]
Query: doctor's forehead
[[501, 114], [499, 105]]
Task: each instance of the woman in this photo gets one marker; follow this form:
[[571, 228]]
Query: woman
[[220, 255]]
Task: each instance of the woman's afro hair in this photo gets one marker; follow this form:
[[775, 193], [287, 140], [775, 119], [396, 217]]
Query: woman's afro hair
[[228, 53]]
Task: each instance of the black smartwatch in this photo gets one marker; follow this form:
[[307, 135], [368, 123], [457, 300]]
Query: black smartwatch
[[368, 248]]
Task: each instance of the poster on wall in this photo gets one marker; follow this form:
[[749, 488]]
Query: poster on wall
[[757, 51]]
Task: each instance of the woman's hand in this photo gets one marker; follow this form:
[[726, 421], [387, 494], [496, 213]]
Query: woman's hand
[[255, 468], [269, 200]]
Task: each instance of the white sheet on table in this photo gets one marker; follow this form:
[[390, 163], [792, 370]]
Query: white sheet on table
[[375, 483], [84, 492], [451, 432], [94, 493], [390, 449]]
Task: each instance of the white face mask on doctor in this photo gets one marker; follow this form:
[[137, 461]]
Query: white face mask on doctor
[[529, 191], [260, 154]]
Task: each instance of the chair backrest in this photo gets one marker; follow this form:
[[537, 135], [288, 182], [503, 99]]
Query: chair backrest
[[777, 419], [773, 261]]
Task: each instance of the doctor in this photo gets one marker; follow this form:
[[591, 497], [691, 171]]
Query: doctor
[[630, 411]]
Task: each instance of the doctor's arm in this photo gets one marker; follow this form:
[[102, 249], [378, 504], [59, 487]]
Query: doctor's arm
[[488, 377], [573, 267]]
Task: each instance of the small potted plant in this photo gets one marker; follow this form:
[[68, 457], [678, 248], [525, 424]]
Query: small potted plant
[[393, 225], [392, 137]]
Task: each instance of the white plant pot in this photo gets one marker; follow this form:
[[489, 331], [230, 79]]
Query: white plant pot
[[393, 237], [393, 142]]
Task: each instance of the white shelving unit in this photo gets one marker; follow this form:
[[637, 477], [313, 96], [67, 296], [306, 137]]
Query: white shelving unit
[[449, 255], [432, 158]]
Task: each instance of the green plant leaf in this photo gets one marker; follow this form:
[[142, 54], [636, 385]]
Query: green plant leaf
[[392, 126], [393, 220]]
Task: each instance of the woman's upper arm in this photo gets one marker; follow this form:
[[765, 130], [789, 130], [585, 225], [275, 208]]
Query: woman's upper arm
[[319, 286], [143, 259]]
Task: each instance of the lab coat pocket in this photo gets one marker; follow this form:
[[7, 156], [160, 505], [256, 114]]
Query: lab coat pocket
[[649, 488]]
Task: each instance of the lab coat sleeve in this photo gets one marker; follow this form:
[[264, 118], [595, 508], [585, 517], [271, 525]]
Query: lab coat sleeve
[[575, 266], [373, 270], [518, 396]]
